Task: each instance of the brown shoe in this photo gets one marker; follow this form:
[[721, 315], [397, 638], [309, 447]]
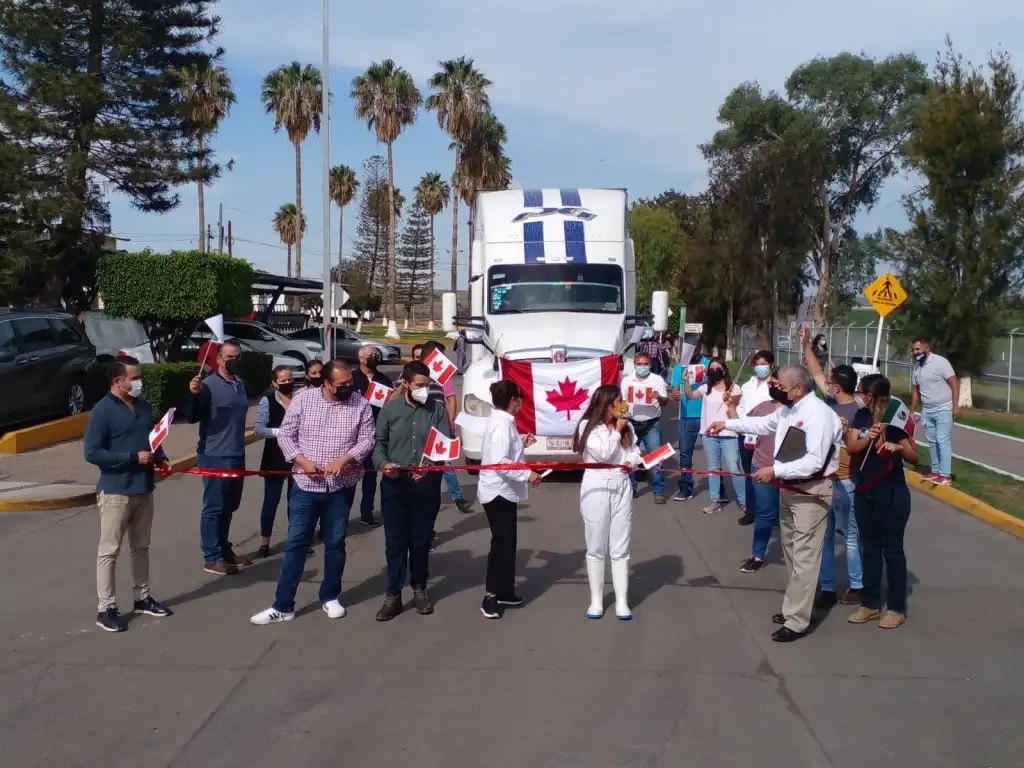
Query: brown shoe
[[235, 560], [391, 608], [892, 620], [850, 597], [422, 600], [863, 615], [221, 568]]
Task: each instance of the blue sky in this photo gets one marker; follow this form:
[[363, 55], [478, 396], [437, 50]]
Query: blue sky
[[593, 93]]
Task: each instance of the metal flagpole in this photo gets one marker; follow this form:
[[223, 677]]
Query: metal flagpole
[[325, 138]]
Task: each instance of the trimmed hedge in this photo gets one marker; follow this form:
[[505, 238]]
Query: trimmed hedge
[[165, 385]]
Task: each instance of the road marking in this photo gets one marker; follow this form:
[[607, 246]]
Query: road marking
[[990, 432], [977, 463]]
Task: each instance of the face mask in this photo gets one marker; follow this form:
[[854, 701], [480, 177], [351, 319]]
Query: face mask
[[135, 388], [762, 371], [231, 366], [778, 395], [372, 362], [420, 395], [920, 356], [860, 401], [344, 392], [287, 388], [316, 381], [643, 371], [715, 375]]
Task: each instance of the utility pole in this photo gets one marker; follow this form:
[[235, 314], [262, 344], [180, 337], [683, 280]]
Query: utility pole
[[231, 240], [325, 136], [220, 226], [209, 238]]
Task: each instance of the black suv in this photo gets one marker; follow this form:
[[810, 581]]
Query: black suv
[[47, 365]]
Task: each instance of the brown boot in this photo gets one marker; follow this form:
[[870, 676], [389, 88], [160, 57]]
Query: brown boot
[[221, 568], [423, 605], [392, 607]]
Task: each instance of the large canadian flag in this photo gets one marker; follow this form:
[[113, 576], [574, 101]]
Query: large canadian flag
[[440, 448], [556, 394]]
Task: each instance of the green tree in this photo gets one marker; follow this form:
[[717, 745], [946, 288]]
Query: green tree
[[962, 260], [87, 85], [459, 97], [344, 185], [371, 224], [206, 97], [484, 164], [433, 194], [415, 260], [290, 226], [294, 95], [387, 99], [656, 237]]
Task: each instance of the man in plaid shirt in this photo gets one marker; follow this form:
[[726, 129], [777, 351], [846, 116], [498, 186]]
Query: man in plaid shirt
[[327, 433]]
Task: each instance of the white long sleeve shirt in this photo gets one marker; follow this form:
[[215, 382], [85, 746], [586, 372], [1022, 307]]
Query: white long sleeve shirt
[[604, 446], [502, 444], [819, 422], [752, 394]]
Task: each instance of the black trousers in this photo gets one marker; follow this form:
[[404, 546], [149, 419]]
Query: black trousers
[[882, 515], [408, 510], [501, 560]]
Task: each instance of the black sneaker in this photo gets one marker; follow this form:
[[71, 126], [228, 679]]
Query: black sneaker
[[433, 540], [465, 507], [826, 601], [514, 601], [110, 620], [489, 608], [371, 523], [422, 601], [392, 607], [263, 551], [152, 608], [746, 519], [751, 565]]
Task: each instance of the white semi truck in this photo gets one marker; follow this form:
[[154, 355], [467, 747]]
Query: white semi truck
[[552, 280]]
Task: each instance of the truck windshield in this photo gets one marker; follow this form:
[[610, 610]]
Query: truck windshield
[[555, 288]]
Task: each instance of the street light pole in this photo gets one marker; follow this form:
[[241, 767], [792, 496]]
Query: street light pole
[[325, 138]]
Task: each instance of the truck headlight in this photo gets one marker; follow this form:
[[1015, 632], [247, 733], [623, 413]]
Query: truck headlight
[[474, 406]]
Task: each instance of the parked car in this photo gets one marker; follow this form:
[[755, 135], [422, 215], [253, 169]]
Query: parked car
[[265, 339], [348, 343], [298, 369], [47, 366], [114, 336]]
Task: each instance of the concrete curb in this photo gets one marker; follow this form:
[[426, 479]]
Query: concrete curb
[[85, 499], [968, 504], [44, 435]]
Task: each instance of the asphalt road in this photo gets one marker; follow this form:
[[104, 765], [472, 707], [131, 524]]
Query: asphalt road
[[693, 680]]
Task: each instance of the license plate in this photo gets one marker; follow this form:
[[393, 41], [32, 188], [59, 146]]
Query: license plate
[[559, 443]]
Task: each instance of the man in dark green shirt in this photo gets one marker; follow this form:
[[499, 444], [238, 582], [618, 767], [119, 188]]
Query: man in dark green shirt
[[409, 500]]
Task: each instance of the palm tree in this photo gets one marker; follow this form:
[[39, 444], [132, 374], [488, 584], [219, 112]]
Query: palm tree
[[433, 193], [459, 97], [289, 225], [206, 97], [484, 162], [343, 189], [387, 99], [294, 95]]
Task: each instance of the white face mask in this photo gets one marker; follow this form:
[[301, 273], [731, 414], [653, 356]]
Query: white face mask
[[136, 389], [420, 395]]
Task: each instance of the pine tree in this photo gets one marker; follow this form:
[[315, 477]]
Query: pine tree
[[415, 260], [371, 240], [92, 87]]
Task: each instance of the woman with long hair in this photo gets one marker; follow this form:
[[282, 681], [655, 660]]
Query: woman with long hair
[[721, 450], [605, 436], [500, 491], [881, 503], [269, 414]]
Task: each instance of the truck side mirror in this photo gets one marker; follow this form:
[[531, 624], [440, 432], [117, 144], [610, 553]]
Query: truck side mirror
[[659, 308], [448, 312]]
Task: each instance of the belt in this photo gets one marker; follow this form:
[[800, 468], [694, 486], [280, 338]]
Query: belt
[[808, 480]]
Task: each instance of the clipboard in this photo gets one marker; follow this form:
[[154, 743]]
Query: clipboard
[[793, 446]]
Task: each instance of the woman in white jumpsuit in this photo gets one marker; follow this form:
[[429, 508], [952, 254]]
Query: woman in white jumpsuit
[[604, 436]]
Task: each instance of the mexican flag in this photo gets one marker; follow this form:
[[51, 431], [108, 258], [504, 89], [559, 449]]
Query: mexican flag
[[898, 415], [556, 394]]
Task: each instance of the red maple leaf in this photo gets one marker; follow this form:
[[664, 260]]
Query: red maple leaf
[[568, 397]]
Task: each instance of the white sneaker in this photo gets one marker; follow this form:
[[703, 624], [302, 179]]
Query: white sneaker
[[271, 616], [334, 609]]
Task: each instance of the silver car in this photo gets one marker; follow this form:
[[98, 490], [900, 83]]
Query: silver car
[[116, 336], [265, 339]]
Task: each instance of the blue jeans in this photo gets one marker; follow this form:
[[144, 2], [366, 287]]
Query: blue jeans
[[840, 515], [650, 441], [368, 490], [882, 514], [723, 453], [408, 509], [221, 497], [746, 462], [766, 515], [938, 432], [273, 487], [688, 432], [451, 479], [304, 510]]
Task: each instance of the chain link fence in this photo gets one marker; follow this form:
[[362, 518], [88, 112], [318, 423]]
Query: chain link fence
[[999, 388]]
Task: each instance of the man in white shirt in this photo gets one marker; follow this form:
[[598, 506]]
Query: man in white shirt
[[645, 393], [937, 389], [805, 500], [753, 392]]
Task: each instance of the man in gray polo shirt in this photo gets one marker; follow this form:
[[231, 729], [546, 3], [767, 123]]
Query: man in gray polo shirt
[[937, 389]]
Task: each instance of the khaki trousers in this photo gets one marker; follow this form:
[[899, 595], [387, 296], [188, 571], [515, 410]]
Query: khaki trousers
[[119, 515], [802, 523]]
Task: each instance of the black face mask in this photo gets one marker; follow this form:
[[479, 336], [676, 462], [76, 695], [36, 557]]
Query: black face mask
[[343, 392], [316, 381], [778, 395], [231, 366], [372, 362], [716, 375], [286, 389]]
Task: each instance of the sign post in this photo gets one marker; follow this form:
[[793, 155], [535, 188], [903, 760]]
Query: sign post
[[885, 295]]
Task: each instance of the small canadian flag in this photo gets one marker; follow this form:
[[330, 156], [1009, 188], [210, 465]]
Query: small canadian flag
[[161, 430], [440, 367], [640, 395], [378, 394], [440, 448], [658, 455], [696, 373]]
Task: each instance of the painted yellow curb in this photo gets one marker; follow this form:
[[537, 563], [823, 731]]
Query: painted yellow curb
[[44, 435], [85, 499], [972, 506]]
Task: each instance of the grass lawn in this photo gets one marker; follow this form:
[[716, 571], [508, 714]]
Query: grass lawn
[[1011, 424], [1003, 493], [376, 331]]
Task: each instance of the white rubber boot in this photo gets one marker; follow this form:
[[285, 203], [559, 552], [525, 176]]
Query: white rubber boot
[[620, 581], [595, 575]]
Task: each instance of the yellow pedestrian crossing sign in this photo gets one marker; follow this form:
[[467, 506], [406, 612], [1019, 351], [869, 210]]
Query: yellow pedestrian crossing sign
[[885, 294]]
